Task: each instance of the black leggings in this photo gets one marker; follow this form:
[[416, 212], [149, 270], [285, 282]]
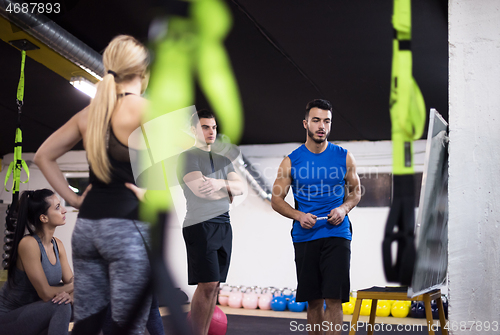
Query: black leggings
[[37, 318]]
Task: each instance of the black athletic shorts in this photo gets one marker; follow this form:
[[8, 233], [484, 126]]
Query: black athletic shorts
[[208, 247], [323, 269]]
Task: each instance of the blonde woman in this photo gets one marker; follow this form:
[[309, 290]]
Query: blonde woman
[[109, 255]]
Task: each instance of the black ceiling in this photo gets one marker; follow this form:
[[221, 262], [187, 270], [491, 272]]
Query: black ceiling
[[339, 50]]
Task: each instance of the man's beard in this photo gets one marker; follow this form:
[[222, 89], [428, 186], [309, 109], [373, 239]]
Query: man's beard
[[317, 140]]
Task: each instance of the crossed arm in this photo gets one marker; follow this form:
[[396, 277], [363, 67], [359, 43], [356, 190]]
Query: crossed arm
[[214, 189], [29, 256]]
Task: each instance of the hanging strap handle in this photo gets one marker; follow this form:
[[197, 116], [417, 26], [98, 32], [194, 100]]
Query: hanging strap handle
[[407, 104], [18, 164], [407, 109], [399, 229], [20, 86]]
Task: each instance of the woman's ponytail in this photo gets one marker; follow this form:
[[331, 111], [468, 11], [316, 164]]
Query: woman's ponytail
[[124, 59], [100, 112], [31, 205]]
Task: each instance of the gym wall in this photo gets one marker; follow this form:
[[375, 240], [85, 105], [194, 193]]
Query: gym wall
[[262, 246], [474, 179]]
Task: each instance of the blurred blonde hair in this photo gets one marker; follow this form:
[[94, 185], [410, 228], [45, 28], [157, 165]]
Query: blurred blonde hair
[[127, 58]]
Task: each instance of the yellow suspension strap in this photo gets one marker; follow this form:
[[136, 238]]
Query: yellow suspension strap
[[15, 168], [213, 22], [407, 109], [192, 48]]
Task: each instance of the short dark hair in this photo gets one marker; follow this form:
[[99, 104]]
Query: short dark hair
[[318, 103], [201, 114]]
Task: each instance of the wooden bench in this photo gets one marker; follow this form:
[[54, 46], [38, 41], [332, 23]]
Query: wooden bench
[[397, 293]]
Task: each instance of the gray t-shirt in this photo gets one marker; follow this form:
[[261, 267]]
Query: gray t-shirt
[[210, 165]]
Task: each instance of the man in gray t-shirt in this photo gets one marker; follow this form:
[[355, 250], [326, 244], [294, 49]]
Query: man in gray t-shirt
[[211, 165], [209, 183]]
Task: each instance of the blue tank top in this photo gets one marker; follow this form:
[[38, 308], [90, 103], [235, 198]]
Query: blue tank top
[[22, 291], [318, 187]]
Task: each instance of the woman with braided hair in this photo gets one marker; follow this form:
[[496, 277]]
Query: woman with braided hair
[[38, 294]]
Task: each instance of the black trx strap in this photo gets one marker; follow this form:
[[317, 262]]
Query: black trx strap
[[408, 121], [15, 168], [399, 229]]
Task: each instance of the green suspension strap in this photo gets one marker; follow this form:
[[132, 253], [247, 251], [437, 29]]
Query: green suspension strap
[[407, 109], [170, 89], [18, 163], [192, 48], [213, 21], [406, 101], [15, 168]]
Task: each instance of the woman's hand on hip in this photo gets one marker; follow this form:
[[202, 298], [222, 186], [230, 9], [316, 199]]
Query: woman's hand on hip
[[139, 192], [79, 200]]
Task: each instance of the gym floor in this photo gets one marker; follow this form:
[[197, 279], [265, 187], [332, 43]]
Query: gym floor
[[299, 316], [303, 315]]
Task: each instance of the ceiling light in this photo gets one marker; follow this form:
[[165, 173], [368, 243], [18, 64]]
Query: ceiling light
[[84, 85]]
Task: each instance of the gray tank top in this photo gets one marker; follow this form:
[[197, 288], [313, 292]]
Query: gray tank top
[[22, 291]]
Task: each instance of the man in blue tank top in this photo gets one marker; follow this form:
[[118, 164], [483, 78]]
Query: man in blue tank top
[[325, 187]]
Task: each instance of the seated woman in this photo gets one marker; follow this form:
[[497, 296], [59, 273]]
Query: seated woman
[[38, 294]]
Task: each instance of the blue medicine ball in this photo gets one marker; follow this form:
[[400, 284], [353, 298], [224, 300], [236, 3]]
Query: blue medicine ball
[[290, 302], [278, 304], [420, 310], [417, 309], [295, 306], [413, 309]]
